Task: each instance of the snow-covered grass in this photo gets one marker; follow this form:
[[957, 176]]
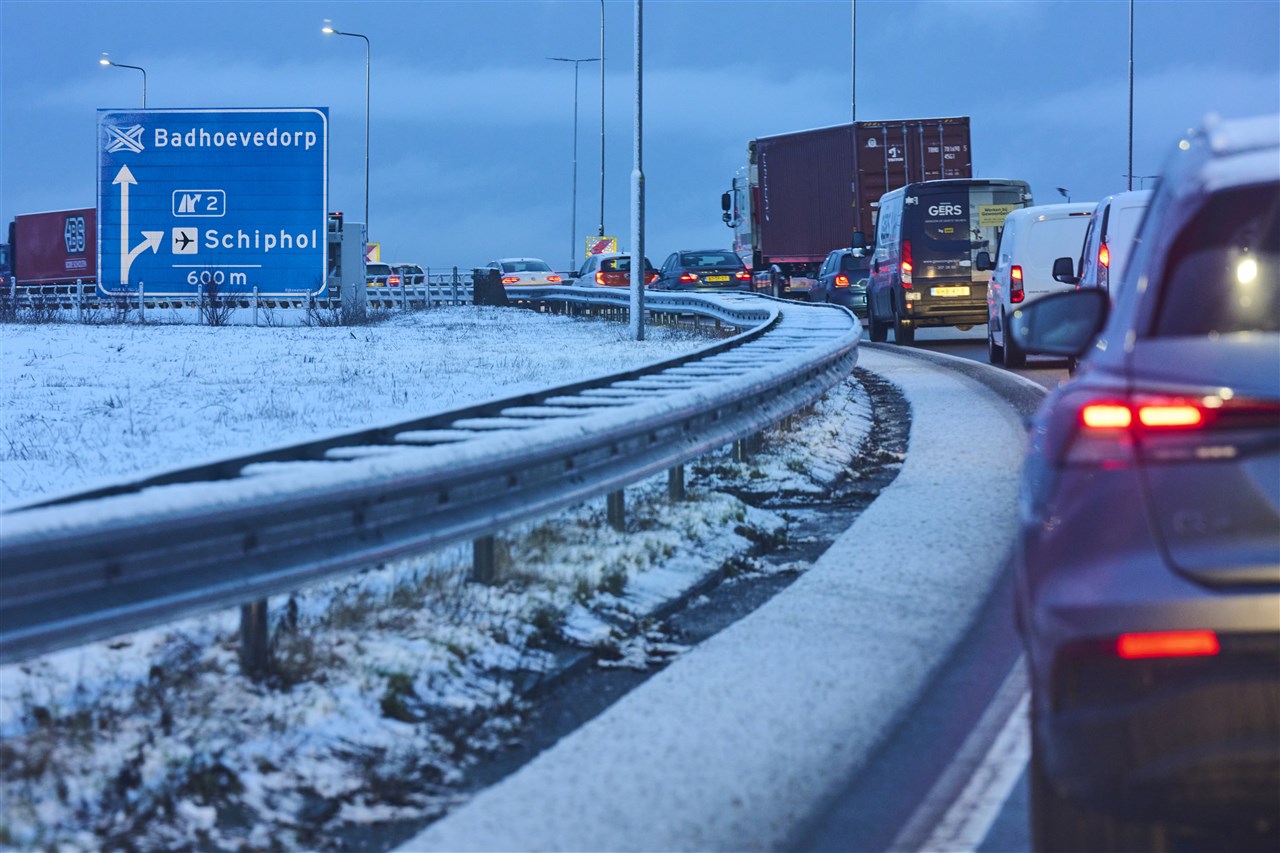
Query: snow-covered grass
[[388, 683]]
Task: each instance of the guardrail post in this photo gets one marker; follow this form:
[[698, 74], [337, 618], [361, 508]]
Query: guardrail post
[[142, 306], [455, 286], [79, 302], [745, 448], [616, 510], [484, 560], [675, 483], [255, 653], [255, 305]]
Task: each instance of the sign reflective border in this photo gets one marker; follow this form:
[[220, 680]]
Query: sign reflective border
[[219, 201]]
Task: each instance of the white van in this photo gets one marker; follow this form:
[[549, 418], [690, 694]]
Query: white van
[[1107, 243], [1032, 239]]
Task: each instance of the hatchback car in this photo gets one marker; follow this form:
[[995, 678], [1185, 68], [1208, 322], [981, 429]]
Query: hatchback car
[[842, 280], [703, 269], [1147, 566], [381, 275], [611, 269], [524, 271], [410, 274]]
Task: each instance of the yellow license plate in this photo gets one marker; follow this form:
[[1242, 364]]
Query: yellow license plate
[[717, 278], [960, 290]]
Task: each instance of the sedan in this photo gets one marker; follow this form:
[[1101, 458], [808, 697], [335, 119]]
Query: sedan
[[706, 269], [842, 280], [1147, 566], [410, 274], [520, 272], [611, 269]]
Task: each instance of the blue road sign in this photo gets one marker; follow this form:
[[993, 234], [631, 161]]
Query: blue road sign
[[225, 200]]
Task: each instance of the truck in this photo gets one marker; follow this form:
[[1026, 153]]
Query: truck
[[803, 194], [53, 248]]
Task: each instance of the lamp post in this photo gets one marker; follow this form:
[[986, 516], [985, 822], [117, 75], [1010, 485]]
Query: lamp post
[[573, 218], [104, 62], [601, 231], [330, 31]]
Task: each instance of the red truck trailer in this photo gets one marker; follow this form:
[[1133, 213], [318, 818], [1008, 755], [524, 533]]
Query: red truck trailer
[[797, 197], [57, 247]]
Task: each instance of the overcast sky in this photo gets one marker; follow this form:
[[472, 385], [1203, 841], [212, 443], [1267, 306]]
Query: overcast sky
[[471, 146]]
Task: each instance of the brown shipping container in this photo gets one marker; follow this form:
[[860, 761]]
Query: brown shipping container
[[805, 199], [55, 247]]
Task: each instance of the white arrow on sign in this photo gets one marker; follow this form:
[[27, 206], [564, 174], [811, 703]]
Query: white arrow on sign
[[151, 239]]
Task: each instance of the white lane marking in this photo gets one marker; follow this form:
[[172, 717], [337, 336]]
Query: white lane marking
[[960, 808], [970, 817]]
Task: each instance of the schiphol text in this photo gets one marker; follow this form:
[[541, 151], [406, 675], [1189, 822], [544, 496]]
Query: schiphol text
[[199, 137], [260, 241]]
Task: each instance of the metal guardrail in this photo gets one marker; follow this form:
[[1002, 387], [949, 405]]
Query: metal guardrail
[[82, 567]]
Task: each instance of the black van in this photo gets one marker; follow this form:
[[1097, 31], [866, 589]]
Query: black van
[[928, 235]]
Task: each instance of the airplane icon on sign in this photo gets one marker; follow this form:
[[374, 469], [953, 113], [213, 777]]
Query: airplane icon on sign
[[184, 240]]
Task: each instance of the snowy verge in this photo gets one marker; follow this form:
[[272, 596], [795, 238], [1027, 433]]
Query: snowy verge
[[731, 746]]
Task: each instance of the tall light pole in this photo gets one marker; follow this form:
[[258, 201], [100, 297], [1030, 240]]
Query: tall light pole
[[104, 61], [637, 187], [601, 232], [330, 31], [573, 218], [1129, 185]]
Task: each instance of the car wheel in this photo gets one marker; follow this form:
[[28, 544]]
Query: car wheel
[[1014, 357], [877, 331], [1060, 826], [903, 332], [995, 352]]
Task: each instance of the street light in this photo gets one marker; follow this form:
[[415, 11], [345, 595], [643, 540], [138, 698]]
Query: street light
[[601, 232], [573, 219], [330, 31], [104, 62]]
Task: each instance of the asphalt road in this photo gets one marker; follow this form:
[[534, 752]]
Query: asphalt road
[[953, 775]]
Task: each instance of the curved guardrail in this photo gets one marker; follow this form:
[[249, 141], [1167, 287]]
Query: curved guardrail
[[82, 567]]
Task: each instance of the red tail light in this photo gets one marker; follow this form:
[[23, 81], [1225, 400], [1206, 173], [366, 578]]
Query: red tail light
[[1104, 265], [905, 267], [688, 277], [393, 281], [842, 280], [1016, 293], [651, 278], [742, 275], [599, 278], [554, 279], [1167, 644], [510, 279]]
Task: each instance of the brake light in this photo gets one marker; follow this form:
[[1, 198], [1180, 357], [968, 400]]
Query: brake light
[[651, 278], [742, 275], [1106, 416], [1016, 293], [687, 277], [554, 279], [1167, 644], [904, 268], [1170, 415], [393, 281], [510, 279], [842, 280], [599, 278], [1104, 265]]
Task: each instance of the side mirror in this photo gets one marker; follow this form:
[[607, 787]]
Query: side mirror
[[983, 261], [726, 202], [1064, 270], [1062, 323]]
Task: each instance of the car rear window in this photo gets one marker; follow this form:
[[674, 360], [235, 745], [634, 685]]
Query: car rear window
[[1220, 277], [852, 263], [710, 259], [377, 269], [1054, 238], [525, 266]]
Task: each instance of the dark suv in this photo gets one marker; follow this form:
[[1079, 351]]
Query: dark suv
[[1147, 566]]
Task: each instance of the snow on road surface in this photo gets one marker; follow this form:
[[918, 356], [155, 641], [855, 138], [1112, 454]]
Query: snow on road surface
[[734, 744]]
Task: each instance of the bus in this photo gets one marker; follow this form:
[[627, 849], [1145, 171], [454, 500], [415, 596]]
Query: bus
[[927, 237]]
